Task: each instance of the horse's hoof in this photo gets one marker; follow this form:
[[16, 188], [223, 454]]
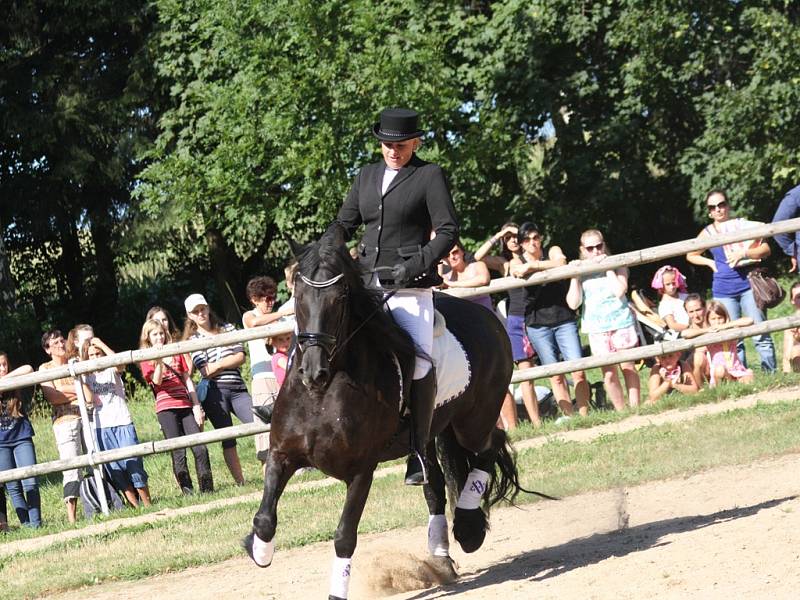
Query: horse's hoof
[[336, 598], [469, 528], [445, 568], [260, 551]]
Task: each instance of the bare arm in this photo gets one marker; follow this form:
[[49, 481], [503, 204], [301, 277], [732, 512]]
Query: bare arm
[[22, 370], [618, 278], [673, 324], [656, 385], [574, 293], [696, 256], [476, 275], [486, 247], [96, 341], [233, 361], [251, 320]]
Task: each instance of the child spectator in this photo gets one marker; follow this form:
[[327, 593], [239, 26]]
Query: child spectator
[[722, 357], [219, 367], [280, 355], [791, 336], [61, 395], [670, 373], [162, 316], [177, 408], [17, 450], [113, 424], [607, 318], [76, 338], [670, 283]]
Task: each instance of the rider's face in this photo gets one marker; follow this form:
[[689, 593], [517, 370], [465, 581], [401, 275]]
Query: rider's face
[[397, 154]]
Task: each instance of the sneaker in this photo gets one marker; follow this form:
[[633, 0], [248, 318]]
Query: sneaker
[[562, 419]]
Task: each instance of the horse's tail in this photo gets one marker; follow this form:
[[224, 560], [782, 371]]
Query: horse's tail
[[504, 480]]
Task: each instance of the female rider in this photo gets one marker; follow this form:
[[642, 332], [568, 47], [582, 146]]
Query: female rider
[[401, 200]]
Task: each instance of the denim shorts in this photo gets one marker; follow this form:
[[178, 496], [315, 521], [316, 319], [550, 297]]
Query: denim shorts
[[557, 342]]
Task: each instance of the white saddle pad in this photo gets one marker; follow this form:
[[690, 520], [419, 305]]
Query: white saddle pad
[[452, 367]]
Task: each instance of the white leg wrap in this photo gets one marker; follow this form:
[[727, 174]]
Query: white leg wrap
[[263, 551], [340, 577], [470, 497], [438, 541]]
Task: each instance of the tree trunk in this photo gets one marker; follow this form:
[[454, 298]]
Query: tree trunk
[[106, 292], [227, 272]]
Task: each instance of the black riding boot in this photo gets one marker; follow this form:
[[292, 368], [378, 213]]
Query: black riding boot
[[423, 395], [264, 412]]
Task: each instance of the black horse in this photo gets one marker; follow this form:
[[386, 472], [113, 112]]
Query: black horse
[[339, 409]]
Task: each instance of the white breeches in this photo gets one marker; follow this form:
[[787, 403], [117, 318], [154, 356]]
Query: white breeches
[[413, 310]]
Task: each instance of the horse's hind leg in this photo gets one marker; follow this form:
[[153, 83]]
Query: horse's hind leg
[[346, 536], [260, 543], [436, 499], [469, 519]]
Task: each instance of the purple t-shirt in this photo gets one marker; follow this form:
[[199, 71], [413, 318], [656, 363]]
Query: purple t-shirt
[[727, 282]]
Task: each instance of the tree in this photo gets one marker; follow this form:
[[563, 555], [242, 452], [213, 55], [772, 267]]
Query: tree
[[73, 116]]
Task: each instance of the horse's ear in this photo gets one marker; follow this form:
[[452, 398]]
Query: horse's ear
[[334, 235], [295, 248]]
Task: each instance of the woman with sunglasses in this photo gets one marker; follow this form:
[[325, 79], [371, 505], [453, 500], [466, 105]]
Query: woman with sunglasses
[[730, 264], [506, 238], [606, 318], [550, 325]]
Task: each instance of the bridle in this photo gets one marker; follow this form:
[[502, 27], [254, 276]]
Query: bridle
[[326, 341]]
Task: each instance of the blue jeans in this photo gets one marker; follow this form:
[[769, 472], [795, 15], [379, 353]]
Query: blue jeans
[[561, 339], [746, 303], [25, 494]]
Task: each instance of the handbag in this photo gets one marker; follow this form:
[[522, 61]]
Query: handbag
[[201, 389], [766, 290]]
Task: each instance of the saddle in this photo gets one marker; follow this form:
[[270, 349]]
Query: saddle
[[453, 372]]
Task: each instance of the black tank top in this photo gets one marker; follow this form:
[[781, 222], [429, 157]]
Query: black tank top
[[547, 304]]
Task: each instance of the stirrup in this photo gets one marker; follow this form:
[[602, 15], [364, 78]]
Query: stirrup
[[416, 471]]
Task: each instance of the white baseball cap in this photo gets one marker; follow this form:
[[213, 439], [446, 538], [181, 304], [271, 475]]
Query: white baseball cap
[[193, 301]]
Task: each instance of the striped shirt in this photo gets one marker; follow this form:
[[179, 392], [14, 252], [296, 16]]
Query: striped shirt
[[227, 378]]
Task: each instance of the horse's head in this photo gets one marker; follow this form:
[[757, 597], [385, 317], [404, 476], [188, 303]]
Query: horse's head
[[322, 282]]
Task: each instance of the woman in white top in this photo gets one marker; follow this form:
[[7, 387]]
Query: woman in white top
[[262, 291]]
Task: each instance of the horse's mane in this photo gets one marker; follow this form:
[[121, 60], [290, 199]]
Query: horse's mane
[[331, 255]]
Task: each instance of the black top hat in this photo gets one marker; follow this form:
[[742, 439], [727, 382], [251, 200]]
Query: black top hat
[[397, 125]]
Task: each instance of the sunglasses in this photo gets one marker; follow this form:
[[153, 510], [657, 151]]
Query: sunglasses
[[596, 247], [718, 206], [533, 238]]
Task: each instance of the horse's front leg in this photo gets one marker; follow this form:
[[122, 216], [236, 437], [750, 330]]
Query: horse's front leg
[[346, 536], [260, 544], [436, 499]]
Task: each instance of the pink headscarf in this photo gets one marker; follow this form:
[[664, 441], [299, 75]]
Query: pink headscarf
[[658, 279]]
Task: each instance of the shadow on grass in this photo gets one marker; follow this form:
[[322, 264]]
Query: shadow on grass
[[545, 563]]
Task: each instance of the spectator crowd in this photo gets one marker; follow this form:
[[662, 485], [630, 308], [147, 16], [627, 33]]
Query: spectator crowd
[[544, 325]]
